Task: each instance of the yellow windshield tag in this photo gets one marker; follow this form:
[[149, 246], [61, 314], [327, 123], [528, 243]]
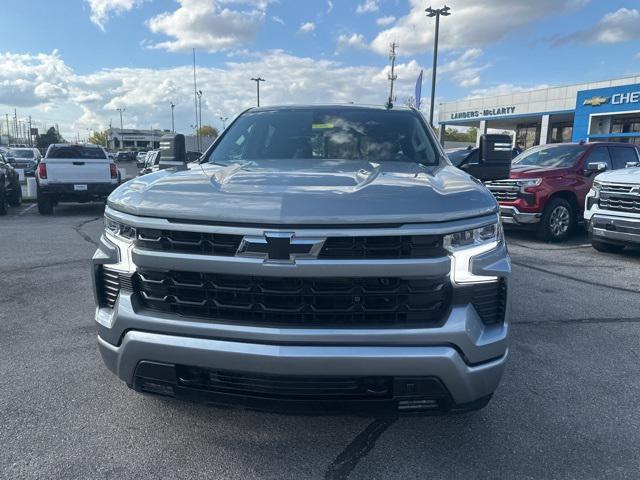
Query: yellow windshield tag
[[321, 126]]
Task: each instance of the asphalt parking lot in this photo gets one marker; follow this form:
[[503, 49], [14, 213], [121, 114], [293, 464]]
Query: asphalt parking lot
[[567, 407]]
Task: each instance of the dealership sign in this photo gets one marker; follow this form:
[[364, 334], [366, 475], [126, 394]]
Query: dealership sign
[[487, 112]]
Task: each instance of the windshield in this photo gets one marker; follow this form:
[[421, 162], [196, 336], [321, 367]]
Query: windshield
[[76, 151], [327, 133], [555, 156], [15, 153]]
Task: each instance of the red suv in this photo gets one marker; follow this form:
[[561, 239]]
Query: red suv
[[549, 183]]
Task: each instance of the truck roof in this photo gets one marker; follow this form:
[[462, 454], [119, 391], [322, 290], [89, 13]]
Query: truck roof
[[329, 106]]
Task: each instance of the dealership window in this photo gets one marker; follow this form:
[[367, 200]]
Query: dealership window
[[561, 132], [625, 123], [527, 135]]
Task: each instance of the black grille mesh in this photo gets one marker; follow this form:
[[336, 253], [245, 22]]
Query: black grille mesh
[[302, 302]]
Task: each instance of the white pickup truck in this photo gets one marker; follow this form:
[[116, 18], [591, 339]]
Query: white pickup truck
[[74, 173]]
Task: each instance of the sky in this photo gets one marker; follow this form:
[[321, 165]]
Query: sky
[[75, 62]]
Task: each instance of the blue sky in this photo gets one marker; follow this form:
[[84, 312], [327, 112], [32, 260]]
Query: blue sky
[[75, 62]]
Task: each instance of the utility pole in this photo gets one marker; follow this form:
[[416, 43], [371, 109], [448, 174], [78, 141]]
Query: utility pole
[[30, 136], [258, 80], [8, 130], [195, 97], [445, 12], [200, 119], [173, 126], [15, 122], [121, 128], [392, 76]]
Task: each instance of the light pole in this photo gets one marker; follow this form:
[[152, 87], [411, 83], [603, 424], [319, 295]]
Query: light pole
[[121, 128], [199, 119], [173, 126], [445, 12], [224, 121], [258, 80]]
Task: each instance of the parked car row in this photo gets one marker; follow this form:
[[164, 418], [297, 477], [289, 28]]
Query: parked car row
[[553, 187], [10, 190]]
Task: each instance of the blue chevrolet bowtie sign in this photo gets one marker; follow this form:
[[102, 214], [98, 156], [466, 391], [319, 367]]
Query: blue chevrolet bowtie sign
[[602, 101]]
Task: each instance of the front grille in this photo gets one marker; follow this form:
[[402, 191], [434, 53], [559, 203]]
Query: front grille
[[219, 244], [297, 302], [504, 196], [364, 247], [490, 301], [619, 198], [405, 246]]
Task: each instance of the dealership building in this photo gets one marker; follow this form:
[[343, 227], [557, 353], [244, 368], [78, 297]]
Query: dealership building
[[597, 111]]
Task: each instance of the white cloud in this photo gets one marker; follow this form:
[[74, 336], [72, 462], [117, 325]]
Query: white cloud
[[385, 21], [101, 9], [615, 27], [504, 89], [277, 20], [464, 70], [368, 6], [329, 6], [44, 87], [471, 24], [306, 28], [209, 24], [355, 40]]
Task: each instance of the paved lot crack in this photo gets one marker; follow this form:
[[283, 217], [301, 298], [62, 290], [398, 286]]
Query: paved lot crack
[[575, 279], [85, 237], [46, 265], [359, 448], [580, 320]]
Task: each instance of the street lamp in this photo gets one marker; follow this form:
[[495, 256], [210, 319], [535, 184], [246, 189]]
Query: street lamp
[[224, 121], [445, 12], [258, 80], [121, 129], [199, 119], [173, 127]]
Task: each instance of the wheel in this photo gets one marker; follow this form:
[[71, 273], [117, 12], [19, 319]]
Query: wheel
[[15, 199], [557, 221], [606, 247], [45, 204], [3, 201]]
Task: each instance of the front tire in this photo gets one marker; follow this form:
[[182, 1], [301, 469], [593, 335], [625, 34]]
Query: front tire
[[3, 200], [557, 221], [606, 247], [45, 204], [15, 199]]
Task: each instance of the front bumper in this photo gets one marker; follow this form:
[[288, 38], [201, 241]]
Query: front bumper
[[463, 354], [614, 229], [511, 215]]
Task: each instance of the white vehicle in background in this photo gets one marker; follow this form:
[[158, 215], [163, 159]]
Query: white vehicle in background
[[140, 158], [612, 208], [74, 173]]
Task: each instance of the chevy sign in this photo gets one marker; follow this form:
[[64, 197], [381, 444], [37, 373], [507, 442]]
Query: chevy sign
[[622, 98]]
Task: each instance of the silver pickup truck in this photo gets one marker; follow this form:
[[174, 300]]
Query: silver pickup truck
[[325, 258]]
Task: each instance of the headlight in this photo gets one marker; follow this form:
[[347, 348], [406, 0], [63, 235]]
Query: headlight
[[528, 182], [119, 229], [465, 245], [596, 187]]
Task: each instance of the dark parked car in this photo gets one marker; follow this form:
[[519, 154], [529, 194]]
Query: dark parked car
[[26, 159], [462, 156], [10, 190]]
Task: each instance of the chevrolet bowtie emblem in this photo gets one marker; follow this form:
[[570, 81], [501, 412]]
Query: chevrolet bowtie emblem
[[279, 247], [635, 190], [596, 101]]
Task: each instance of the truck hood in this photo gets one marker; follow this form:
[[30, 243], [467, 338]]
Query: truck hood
[[532, 171], [295, 192], [624, 175]]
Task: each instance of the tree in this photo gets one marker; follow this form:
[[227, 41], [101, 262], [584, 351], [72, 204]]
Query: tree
[[453, 135], [99, 138], [208, 131], [46, 139]]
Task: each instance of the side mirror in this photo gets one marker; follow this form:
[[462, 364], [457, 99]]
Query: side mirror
[[173, 152], [632, 164], [494, 158], [595, 167]]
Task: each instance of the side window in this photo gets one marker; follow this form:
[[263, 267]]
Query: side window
[[621, 155], [599, 154]]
